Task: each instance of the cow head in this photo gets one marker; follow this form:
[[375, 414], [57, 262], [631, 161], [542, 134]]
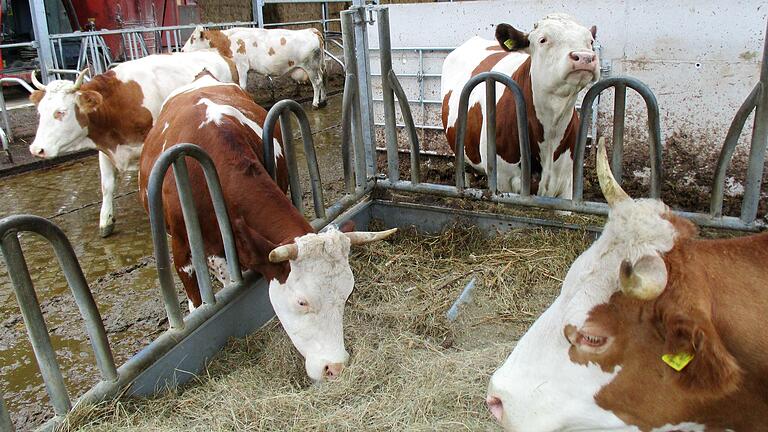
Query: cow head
[[310, 301], [197, 40], [563, 60], [63, 108], [593, 360]]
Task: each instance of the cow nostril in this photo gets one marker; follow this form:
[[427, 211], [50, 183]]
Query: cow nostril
[[575, 57], [495, 406], [333, 370]]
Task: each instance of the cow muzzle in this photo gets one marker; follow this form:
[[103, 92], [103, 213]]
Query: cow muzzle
[[583, 61], [39, 151]]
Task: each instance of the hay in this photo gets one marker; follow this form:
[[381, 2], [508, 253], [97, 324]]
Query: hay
[[410, 368]]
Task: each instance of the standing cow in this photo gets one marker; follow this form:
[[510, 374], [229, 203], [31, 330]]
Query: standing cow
[[272, 52], [654, 330], [309, 274], [551, 64], [114, 111]]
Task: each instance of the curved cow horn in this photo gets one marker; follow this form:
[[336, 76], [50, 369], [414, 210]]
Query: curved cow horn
[[612, 192], [363, 237], [646, 279], [35, 82], [79, 80], [284, 253]]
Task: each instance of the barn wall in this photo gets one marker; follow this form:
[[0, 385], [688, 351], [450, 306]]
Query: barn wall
[[700, 57]]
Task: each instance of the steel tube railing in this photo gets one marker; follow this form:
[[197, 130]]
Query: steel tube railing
[[617, 148], [350, 60], [385, 58], [347, 155], [654, 131], [490, 133], [278, 111], [410, 127], [758, 145], [176, 156], [522, 127]]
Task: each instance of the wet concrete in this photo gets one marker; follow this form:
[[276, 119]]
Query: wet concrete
[[120, 269]]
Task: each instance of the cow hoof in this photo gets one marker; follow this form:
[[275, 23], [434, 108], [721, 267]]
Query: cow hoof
[[321, 104], [105, 231]]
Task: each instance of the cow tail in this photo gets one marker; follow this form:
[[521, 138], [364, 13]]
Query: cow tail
[[321, 38]]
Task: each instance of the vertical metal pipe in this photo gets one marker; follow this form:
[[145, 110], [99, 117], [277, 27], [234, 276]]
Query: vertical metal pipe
[[390, 131], [350, 61], [168, 41], [35, 324], [758, 146], [258, 12], [40, 27], [347, 156], [364, 87], [290, 159], [6, 122], [325, 13], [192, 225], [619, 109], [309, 153], [6, 425], [490, 134]]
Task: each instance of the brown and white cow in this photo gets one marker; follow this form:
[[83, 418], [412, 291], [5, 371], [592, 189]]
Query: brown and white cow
[[551, 64], [309, 274], [654, 330], [114, 112], [269, 52]]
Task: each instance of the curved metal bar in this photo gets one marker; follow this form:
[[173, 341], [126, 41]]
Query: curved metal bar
[[410, 126], [522, 127], [726, 153], [388, 96], [6, 147], [175, 155], [276, 112], [654, 131], [10, 227]]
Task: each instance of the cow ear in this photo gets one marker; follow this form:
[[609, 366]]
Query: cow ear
[[253, 252], [36, 96], [712, 370], [88, 101], [593, 30], [511, 39]]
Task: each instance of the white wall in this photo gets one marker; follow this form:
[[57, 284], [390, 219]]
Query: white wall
[[700, 57]]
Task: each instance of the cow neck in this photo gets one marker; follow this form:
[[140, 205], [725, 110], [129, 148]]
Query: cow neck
[[552, 107], [522, 76], [120, 119]]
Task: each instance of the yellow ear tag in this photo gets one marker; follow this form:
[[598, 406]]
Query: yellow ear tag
[[509, 43], [677, 361]]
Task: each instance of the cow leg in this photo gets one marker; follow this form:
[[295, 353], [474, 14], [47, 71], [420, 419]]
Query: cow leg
[[318, 87], [108, 185], [182, 261]]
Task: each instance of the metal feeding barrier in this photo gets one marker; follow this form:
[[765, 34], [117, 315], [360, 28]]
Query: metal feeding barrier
[[242, 305]]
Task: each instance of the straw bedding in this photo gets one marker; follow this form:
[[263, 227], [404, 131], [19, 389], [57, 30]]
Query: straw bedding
[[410, 368]]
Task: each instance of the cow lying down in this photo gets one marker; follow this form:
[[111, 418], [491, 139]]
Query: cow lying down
[[654, 330], [309, 274]]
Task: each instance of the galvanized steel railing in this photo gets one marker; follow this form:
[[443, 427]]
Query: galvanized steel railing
[[279, 112], [10, 228]]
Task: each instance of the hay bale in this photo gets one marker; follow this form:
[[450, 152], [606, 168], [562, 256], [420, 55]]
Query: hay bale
[[411, 369]]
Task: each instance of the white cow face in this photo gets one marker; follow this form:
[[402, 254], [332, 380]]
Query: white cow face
[[310, 304], [552, 378], [563, 60], [196, 41], [63, 120]]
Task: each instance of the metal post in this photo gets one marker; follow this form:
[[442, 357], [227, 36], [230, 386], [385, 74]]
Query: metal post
[[42, 40], [410, 128], [297, 194], [759, 142], [350, 60], [619, 109], [325, 15], [390, 131], [258, 12], [6, 120], [364, 84], [490, 133]]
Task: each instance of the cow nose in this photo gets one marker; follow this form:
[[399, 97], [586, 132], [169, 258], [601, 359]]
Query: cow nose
[[333, 370], [583, 57], [495, 406], [37, 152]]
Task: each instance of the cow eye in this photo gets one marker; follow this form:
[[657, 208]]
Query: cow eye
[[543, 40], [303, 303]]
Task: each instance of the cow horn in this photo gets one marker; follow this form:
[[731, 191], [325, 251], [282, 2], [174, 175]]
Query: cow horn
[[363, 237], [644, 280], [284, 253], [79, 80], [612, 191], [35, 82]]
